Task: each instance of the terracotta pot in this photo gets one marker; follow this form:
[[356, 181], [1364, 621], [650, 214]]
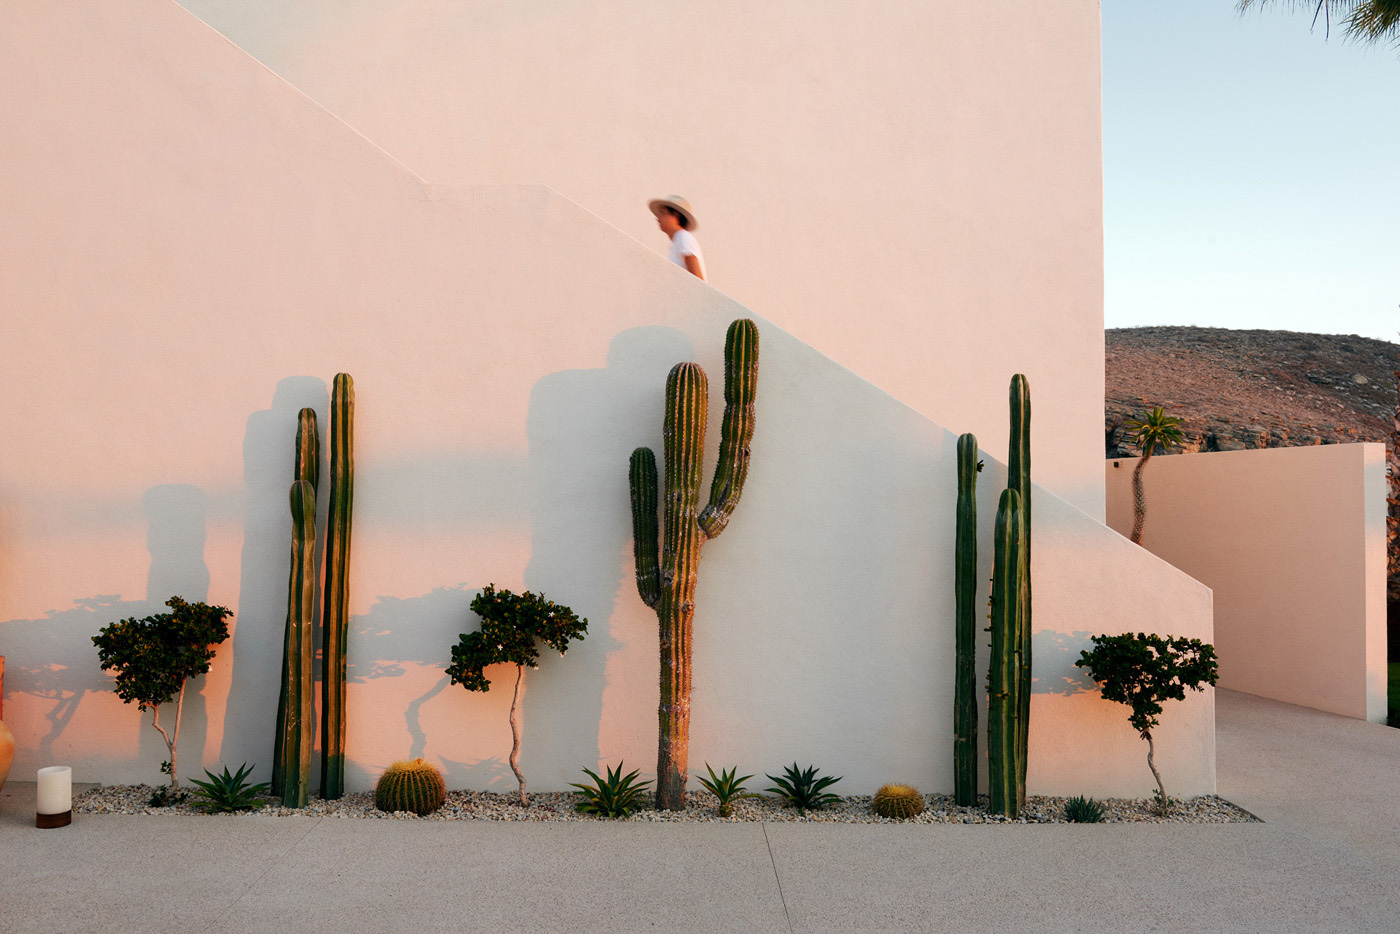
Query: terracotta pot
[[7, 752]]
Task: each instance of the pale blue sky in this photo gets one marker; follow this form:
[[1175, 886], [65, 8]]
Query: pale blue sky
[[1251, 171]]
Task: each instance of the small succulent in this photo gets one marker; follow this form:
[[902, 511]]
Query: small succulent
[[228, 793], [897, 801], [726, 788], [1082, 810], [802, 788], [165, 796], [615, 796], [411, 785], [1161, 804]]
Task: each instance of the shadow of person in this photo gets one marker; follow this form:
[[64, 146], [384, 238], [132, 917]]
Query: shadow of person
[[268, 451], [582, 427]]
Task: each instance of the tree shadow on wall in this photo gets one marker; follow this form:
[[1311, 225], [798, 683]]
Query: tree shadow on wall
[[414, 630], [1054, 655], [582, 427], [54, 659], [268, 454], [57, 661]]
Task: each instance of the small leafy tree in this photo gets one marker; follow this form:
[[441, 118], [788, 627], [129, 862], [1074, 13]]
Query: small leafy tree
[[1142, 671], [1153, 430], [153, 657], [510, 624]]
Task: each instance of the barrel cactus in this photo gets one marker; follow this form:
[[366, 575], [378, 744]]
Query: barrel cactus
[[897, 801], [410, 786]]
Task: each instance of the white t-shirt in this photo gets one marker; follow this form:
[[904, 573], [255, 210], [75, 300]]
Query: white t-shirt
[[684, 244]]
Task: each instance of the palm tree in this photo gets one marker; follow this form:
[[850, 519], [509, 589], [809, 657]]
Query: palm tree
[[1154, 430], [1364, 20]]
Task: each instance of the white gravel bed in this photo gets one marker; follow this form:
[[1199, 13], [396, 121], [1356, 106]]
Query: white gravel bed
[[559, 806]]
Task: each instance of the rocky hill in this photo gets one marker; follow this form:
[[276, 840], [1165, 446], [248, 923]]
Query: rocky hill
[[1250, 389], [1259, 389]]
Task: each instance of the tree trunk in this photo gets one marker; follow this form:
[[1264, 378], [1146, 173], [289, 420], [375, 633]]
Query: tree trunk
[[1161, 789], [515, 734], [169, 744], [1139, 500]]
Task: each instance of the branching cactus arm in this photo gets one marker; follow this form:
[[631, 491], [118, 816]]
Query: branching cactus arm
[[736, 431], [646, 543]]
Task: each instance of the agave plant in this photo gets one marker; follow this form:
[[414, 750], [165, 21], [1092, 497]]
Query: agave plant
[[1082, 810], [615, 796], [726, 788], [228, 793], [802, 788]]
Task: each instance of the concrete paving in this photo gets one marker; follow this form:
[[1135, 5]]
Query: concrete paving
[[1327, 858]]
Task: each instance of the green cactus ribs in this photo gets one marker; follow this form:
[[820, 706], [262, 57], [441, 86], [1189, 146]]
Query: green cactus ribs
[[1003, 676], [335, 597], [965, 588], [297, 725], [305, 468], [410, 785], [667, 547], [898, 802], [1018, 468]]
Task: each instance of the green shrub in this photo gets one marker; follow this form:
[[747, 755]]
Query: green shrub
[[1142, 671], [510, 624], [154, 656]]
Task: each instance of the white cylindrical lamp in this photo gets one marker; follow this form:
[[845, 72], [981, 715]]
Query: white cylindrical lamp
[[55, 806]]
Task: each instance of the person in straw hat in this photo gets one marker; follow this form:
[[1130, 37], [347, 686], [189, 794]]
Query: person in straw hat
[[677, 221]]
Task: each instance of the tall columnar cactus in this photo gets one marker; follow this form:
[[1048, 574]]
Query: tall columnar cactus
[[1003, 675], [1018, 467], [666, 569], [297, 723], [965, 585], [335, 599], [305, 468]]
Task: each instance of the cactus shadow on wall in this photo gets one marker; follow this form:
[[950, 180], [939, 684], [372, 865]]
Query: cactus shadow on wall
[[582, 427], [256, 646], [1055, 654]]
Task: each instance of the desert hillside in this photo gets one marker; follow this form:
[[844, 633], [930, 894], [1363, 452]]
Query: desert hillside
[[1250, 389]]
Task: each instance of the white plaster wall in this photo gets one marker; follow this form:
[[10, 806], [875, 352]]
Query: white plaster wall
[[1292, 541], [906, 186], [202, 248]]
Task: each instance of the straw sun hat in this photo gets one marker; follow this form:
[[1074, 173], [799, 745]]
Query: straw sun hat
[[679, 205]]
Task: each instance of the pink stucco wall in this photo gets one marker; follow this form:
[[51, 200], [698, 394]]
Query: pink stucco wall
[[911, 188], [199, 248], [1292, 542]]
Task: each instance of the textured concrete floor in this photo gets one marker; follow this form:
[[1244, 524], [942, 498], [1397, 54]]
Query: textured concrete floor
[[1327, 859]]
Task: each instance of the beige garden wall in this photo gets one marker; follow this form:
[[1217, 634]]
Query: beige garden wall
[[200, 248], [911, 188], [1292, 542]]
